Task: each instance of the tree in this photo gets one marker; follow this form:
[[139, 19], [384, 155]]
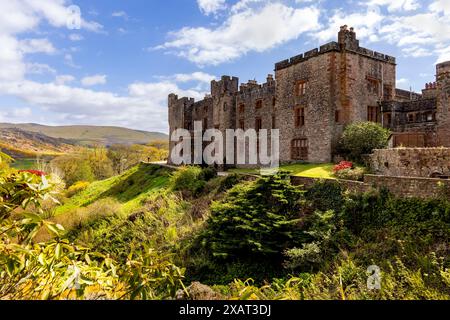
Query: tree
[[259, 219], [362, 138], [74, 168]]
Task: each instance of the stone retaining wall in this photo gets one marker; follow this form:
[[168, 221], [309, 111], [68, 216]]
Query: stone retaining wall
[[411, 162], [413, 187]]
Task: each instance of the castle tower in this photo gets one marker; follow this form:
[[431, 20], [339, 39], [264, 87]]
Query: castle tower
[[223, 93], [443, 103], [180, 114]]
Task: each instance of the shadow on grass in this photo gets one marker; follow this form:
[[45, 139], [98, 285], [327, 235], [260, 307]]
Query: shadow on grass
[[147, 177]]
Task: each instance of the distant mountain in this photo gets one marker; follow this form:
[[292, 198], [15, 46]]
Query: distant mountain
[[22, 144], [90, 135]]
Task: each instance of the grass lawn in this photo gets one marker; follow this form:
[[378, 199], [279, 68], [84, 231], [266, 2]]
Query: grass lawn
[[24, 164], [130, 189], [310, 170]]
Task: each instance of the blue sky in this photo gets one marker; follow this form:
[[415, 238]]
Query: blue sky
[[127, 56]]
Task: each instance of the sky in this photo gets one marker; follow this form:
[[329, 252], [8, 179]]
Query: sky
[[114, 62]]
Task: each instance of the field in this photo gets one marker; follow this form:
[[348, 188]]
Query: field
[[309, 170]]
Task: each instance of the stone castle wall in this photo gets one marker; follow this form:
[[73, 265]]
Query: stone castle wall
[[411, 162], [344, 82]]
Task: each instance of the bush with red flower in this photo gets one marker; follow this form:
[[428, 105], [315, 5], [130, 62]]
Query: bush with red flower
[[346, 170], [34, 172], [343, 165]]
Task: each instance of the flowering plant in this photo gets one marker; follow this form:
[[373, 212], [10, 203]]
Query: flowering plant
[[343, 165], [34, 172]]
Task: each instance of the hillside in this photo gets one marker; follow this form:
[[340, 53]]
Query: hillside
[[91, 135], [19, 143]]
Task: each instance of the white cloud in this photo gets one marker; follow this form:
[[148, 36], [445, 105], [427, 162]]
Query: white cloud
[[196, 76], [39, 68], [441, 6], [120, 14], [144, 107], [416, 52], [365, 23], [68, 60], [242, 32], [21, 112], [36, 45], [75, 37], [403, 83], [443, 54], [396, 5], [93, 80], [211, 6], [63, 79]]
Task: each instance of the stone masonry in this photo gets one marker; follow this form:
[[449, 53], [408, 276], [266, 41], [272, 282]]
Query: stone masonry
[[411, 162], [314, 95]]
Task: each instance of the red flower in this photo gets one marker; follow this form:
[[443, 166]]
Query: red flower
[[35, 172], [342, 166]]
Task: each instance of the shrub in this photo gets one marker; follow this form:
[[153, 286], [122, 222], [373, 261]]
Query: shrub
[[208, 174], [81, 217], [73, 168], [77, 188], [188, 180], [362, 138], [356, 174], [5, 160], [229, 181], [325, 195]]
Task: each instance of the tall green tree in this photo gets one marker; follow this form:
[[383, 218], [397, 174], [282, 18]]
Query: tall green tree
[[362, 138]]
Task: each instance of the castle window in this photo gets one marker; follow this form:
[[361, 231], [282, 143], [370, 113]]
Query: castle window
[[300, 88], [205, 109], [205, 123], [274, 101], [388, 120], [242, 124], [387, 92], [299, 149], [430, 116], [259, 104], [274, 124], [373, 85], [225, 106], [337, 116], [373, 114], [258, 124], [299, 117], [411, 117], [242, 108]]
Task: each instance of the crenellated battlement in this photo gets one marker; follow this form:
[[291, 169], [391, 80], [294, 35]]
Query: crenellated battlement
[[184, 101], [346, 42], [253, 89]]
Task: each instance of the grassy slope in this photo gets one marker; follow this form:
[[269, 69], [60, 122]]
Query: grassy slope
[[91, 134], [129, 188], [310, 170]]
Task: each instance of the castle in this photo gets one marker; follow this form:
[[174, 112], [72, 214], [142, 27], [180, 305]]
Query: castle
[[313, 97]]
